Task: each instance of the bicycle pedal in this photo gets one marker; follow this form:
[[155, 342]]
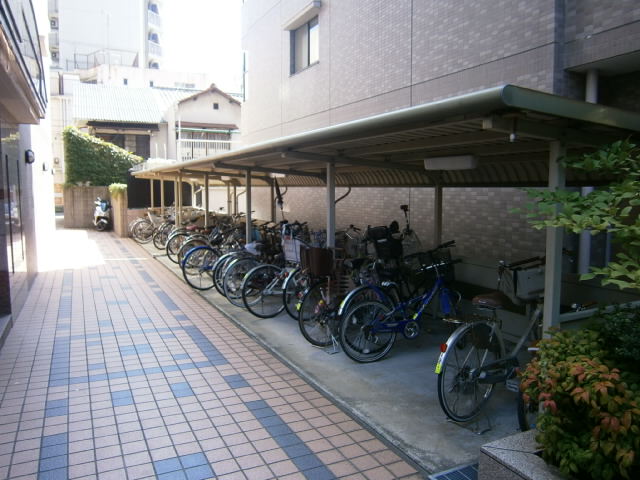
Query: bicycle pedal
[[513, 385]]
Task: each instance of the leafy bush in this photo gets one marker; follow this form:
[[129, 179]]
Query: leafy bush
[[89, 159], [590, 423], [116, 189], [612, 209]]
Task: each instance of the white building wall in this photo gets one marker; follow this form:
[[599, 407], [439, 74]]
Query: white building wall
[[89, 26], [200, 109], [144, 77]]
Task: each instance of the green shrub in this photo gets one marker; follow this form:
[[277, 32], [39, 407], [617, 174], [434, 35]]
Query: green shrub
[[117, 189], [590, 423], [90, 159]]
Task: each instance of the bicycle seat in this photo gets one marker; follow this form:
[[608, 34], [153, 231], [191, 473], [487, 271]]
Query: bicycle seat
[[355, 263], [491, 300]]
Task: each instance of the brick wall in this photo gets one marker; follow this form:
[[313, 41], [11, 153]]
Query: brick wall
[[479, 219]]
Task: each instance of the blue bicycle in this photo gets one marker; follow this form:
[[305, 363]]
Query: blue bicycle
[[369, 329]]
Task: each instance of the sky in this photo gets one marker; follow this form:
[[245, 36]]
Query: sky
[[203, 36]]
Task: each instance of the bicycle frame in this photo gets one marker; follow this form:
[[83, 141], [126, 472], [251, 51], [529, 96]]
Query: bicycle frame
[[387, 325], [502, 369]]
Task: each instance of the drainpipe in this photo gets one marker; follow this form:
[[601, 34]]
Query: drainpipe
[[229, 199], [237, 196], [584, 242]]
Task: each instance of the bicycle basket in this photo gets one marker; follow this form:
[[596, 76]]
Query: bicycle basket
[[319, 261], [522, 285], [386, 246], [292, 248]]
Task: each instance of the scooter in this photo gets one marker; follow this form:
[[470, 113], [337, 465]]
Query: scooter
[[102, 214]]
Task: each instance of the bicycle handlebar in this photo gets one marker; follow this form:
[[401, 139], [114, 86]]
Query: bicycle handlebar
[[450, 243], [425, 268]]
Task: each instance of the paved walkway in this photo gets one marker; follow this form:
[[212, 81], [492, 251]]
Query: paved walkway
[[115, 369]]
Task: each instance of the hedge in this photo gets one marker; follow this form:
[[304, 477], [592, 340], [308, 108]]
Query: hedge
[[90, 159]]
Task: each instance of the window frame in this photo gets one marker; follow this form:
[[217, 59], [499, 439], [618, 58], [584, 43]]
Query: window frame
[[309, 33]]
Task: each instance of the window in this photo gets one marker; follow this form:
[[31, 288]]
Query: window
[[305, 45], [216, 106], [125, 81]]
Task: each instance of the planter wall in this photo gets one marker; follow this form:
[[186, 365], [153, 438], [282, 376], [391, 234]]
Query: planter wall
[[119, 205], [515, 457], [79, 207]]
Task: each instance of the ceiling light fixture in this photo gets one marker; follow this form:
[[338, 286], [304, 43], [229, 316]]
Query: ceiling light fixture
[[456, 162]]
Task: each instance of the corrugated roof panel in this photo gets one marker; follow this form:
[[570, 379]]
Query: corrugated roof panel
[[124, 104]]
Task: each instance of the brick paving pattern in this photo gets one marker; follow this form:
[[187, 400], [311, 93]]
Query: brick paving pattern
[[117, 370]]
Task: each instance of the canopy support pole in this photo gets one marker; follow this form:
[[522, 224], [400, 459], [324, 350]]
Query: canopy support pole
[[248, 216], [151, 199], [331, 205], [555, 235], [179, 200], [162, 198], [437, 215], [273, 201], [206, 200]]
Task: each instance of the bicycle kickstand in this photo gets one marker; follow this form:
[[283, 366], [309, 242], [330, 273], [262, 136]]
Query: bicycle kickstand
[[334, 347]]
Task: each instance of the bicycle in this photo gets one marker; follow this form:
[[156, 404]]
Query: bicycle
[[264, 288], [369, 329], [473, 360]]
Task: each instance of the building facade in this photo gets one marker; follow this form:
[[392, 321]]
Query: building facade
[[312, 64], [118, 32], [25, 162]]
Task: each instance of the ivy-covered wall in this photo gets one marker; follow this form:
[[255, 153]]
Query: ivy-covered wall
[[90, 159]]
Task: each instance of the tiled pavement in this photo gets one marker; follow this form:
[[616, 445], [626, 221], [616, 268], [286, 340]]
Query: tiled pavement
[[115, 369]]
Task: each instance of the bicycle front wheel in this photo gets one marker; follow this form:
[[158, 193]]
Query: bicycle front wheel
[[363, 336], [197, 267], [460, 392], [262, 291]]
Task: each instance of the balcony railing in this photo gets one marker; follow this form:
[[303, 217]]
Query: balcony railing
[[193, 149], [54, 38], [155, 50], [154, 19]]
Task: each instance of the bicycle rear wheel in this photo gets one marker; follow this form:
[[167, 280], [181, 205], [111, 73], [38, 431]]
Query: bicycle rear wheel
[[460, 393], [362, 335], [197, 267], [527, 413], [220, 267], [316, 314], [233, 276], [262, 291]]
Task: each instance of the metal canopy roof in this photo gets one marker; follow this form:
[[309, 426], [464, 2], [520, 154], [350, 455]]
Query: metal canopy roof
[[508, 128]]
